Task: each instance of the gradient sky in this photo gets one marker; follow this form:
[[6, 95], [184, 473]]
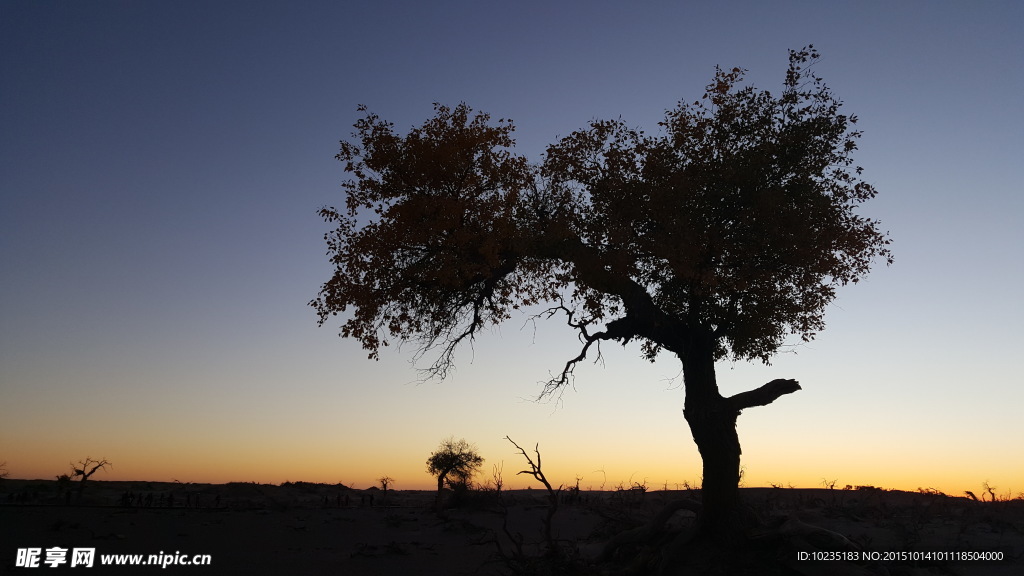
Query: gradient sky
[[161, 165]]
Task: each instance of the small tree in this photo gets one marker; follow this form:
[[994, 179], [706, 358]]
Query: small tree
[[85, 469], [3, 470], [385, 481], [454, 462]]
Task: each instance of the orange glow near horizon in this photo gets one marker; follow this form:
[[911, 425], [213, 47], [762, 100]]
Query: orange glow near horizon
[[42, 463], [337, 429]]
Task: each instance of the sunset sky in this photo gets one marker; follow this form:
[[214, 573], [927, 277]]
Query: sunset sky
[[162, 163]]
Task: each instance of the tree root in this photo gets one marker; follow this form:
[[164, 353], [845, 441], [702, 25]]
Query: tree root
[[651, 530], [766, 548], [801, 536], [816, 536]]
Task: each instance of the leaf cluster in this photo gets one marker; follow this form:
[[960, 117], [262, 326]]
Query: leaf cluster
[[428, 246]]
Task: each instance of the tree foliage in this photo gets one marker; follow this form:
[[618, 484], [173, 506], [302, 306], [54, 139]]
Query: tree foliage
[[454, 461], [739, 218]]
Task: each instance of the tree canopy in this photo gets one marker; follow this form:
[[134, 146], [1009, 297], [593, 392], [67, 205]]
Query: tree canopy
[[454, 461], [737, 219]]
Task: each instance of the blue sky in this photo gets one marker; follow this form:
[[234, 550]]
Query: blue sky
[[161, 165]]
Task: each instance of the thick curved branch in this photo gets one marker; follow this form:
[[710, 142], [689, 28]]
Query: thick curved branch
[[764, 395], [645, 317]]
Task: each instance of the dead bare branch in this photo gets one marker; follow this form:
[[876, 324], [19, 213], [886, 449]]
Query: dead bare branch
[[536, 472], [764, 395]]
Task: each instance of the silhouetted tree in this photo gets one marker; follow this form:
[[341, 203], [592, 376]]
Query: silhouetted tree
[[454, 462], [716, 239], [385, 481], [3, 470], [553, 494], [85, 469]]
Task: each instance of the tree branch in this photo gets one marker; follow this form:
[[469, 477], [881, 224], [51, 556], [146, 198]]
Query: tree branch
[[764, 395], [645, 318], [619, 329], [537, 473]]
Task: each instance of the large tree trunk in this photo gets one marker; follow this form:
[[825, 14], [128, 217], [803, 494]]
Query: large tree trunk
[[712, 421], [713, 426]]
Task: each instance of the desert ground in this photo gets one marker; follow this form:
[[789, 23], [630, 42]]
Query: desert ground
[[309, 529]]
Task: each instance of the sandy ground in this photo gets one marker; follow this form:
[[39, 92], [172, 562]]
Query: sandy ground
[[322, 529]]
